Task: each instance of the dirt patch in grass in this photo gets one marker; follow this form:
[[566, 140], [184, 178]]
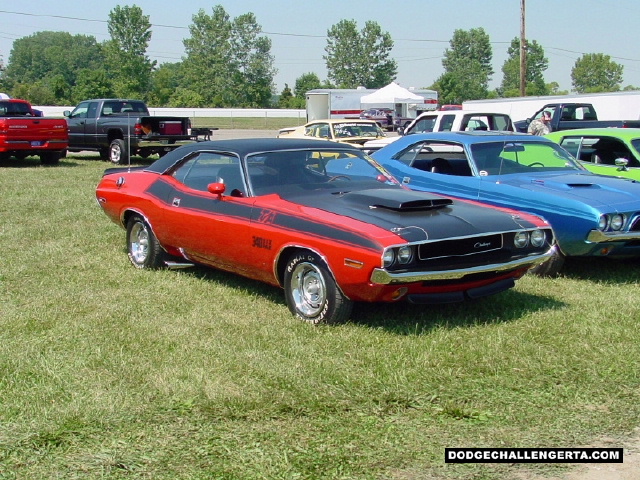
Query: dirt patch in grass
[[629, 470]]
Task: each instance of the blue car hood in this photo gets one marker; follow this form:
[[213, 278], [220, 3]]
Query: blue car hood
[[598, 191]]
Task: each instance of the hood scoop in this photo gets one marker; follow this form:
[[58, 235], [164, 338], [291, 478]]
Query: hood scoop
[[580, 185], [399, 200]]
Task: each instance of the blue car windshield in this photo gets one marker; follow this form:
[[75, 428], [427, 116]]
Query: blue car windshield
[[500, 158]]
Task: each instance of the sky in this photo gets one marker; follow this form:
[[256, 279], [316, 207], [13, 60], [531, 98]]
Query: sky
[[421, 30]]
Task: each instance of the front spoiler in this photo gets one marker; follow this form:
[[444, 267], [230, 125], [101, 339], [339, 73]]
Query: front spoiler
[[383, 277]]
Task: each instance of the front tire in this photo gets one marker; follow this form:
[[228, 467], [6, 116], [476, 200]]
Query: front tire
[[551, 267], [117, 153], [311, 292], [143, 248]]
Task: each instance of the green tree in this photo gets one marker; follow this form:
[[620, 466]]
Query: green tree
[[54, 59], [596, 72], [359, 58], [306, 82], [467, 67], [126, 58], [228, 64], [92, 84], [165, 80], [537, 63], [254, 63], [286, 100]]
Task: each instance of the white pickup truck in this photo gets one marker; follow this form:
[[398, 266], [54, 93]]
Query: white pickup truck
[[448, 121]]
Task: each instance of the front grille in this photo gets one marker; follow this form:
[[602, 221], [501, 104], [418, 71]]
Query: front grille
[[461, 253], [460, 247]]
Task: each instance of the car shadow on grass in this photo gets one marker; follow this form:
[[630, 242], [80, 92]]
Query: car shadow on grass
[[404, 318], [603, 270], [409, 319]]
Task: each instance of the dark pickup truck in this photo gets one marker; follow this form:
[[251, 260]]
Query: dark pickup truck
[[569, 116], [119, 128]]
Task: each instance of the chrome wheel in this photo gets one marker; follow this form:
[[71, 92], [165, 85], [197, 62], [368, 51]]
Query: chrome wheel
[[308, 289], [139, 243], [143, 249], [311, 290]]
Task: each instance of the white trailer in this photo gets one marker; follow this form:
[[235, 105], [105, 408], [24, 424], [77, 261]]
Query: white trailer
[[323, 103], [608, 106]]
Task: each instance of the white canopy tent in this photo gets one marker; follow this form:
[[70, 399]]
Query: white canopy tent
[[391, 94]]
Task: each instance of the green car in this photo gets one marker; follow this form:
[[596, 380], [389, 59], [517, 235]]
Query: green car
[[607, 151]]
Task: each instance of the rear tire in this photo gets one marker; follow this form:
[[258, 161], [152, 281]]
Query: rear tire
[[117, 153], [143, 248], [311, 292], [50, 158]]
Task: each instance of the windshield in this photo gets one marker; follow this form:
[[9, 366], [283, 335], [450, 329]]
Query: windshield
[[300, 170], [357, 129], [497, 158]]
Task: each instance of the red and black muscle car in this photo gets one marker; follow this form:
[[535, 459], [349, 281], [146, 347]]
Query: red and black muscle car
[[320, 219]]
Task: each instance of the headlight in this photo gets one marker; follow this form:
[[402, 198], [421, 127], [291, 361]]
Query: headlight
[[405, 254], [617, 222], [538, 238], [388, 258], [603, 223], [521, 239]]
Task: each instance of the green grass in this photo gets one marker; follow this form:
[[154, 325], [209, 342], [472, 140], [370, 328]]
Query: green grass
[[248, 123], [113, 373]]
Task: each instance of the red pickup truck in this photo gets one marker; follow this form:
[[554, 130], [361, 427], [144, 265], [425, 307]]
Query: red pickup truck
[[24, 132]]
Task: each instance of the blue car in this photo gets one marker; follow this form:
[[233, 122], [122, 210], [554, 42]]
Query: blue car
[[591, 215]]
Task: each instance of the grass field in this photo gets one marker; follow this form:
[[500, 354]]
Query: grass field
[[247, 123], [107, 372]]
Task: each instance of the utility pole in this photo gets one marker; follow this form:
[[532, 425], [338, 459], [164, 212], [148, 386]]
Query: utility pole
[[523, 52]]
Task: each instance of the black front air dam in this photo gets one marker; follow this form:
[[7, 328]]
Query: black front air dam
[[454, 297]]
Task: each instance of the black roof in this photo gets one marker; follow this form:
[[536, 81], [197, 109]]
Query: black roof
[[246, 146]]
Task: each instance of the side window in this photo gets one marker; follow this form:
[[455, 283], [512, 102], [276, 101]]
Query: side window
[[424, 125], [414, 152], [93, 110], [80, 111], [446, 123], [210, 167], [571, 145], [323, 131], [500, 122]]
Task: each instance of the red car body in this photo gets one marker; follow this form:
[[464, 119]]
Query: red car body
[[321, 220]]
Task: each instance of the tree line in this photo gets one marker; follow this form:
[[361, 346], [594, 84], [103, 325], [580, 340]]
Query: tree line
[[228, 63]]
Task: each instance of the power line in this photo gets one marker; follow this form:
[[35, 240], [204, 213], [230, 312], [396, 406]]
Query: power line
[[419, 40]]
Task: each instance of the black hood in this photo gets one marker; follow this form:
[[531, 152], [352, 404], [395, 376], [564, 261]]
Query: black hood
[[415, 216]]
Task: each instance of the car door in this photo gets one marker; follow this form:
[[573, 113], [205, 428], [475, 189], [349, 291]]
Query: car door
[[77, 123], [209, 228]]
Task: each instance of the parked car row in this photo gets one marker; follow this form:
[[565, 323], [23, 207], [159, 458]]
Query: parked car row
[[429, 218]]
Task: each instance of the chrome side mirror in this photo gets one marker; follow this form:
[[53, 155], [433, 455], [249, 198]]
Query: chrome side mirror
[[622, 163]]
